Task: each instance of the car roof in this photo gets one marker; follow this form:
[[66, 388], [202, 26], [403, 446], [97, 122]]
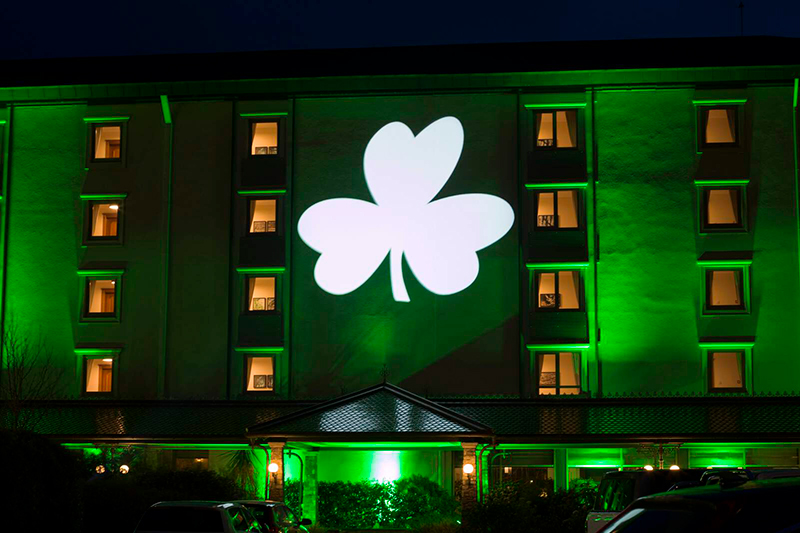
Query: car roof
[[258, 502], [720, 492], [197, 503]]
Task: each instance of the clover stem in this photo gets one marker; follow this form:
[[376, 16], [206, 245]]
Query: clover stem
[[396, 271]]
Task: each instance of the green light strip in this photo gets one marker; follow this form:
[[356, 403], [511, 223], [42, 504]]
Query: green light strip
[[106, 119], [726, 262], [260, 270], [262, 192], [114, 272], [98, 351], [570, 185], [743, 181], [794, 100], [735, 101], [570, 105], [727, 344], [534, 347], [531, 266], [103, 196], [259, 349], [165, 109], [4, 122], [276, 114]]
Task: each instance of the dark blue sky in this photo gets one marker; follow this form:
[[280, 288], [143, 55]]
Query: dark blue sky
[[89, 28]]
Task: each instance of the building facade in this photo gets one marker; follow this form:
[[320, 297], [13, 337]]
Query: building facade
[[378, 263]]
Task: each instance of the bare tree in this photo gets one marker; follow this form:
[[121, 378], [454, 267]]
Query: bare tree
[[28, 375]]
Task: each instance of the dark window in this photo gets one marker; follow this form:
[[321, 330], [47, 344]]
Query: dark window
[[557, 129], [106, 142], [560, 290], [181, 519], [261, 294], [725, 289], [558, 372], [99, 375], [191, 459], [722, 208], [263, 138], [557, 209], [262, 215], [105, 220], [726, 370], [719, 126]]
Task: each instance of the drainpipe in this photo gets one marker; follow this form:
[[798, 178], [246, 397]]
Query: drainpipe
[[266, 467], [796, 170], [162, 364], [290, 453], [480, 467]]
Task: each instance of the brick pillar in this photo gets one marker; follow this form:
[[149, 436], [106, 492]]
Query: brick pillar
[[310, 486], [469, 482], [275, 479]]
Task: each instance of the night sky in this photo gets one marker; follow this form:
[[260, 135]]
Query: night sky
[[92, 28]]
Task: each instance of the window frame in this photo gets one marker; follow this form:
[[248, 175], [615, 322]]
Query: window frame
[[709, 355], [246, 378], [113, 354], [702, 120], [91, 160], [579, 212], [261, 120], [85, 276], [88, 221], [703, 197], [246, 289], [554, 111], [539, 351], [744, 289], [537, 272], [278, 210]]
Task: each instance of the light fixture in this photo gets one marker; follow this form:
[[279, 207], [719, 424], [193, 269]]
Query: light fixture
[[273, 467], [100, 469], [108, 360], [649, 468], [674, 467], [468, 468], [124, 469], [113, 207]]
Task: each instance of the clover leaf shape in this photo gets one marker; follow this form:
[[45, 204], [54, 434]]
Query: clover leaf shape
[[439, 239]]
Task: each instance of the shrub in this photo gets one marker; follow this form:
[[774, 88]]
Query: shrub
[[418, 500], [292, 494], [438, 527], [360, 505]]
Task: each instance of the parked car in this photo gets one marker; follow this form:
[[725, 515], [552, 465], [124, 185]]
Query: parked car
[[197, 517], [757, 506], [275, 517], [619, 488]]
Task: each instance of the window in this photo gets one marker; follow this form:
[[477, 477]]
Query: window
[[559, 290], [260, 373], [719, 126], [723, 208], [263, 215], [191, 460], [104, 220], [263, 138], [99, 375], [261, 294], [557, 210], [726, 288], [557, 129], [558, 372], [107, 142], [101, 298], [726, 370]]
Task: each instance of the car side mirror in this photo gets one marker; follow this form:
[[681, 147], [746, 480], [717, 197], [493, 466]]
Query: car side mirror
[[305, 522]]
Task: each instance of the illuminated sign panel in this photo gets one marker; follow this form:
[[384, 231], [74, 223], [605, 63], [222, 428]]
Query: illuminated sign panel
[[410, 199], [438, 238]]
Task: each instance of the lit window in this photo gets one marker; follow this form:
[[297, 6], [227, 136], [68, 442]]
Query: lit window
[[101, 297], [557, 209], [726, 370], [557, 129], [263, 216], [725, 288], [99, 374], [104, 220], [558, 290], [723, 208], [719, 125], [559, 372], [261, 293], [263, 138], [107, 142], [260, 374]]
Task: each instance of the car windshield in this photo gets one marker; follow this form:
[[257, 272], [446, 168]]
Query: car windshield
[[658, 521], [181, 519]]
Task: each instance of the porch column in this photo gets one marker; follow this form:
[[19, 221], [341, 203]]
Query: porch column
[[275, 479], [560, 469], [310, 486], [469, 482]]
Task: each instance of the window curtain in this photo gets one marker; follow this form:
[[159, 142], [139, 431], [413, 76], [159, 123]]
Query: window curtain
[[252, 215], [249, 373], [733, 196], [576, 367], [572, 122], [538, 125], [251, 287], [539, 365], [731, 113]]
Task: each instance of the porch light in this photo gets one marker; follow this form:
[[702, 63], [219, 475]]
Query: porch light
[[124, 469], [113, 207], [468, 468], [674, 467], [108, 360], [649, 468], [100, 469], [273, 467]]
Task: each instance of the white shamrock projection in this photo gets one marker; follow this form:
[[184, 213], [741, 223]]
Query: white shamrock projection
[[439, 239]]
